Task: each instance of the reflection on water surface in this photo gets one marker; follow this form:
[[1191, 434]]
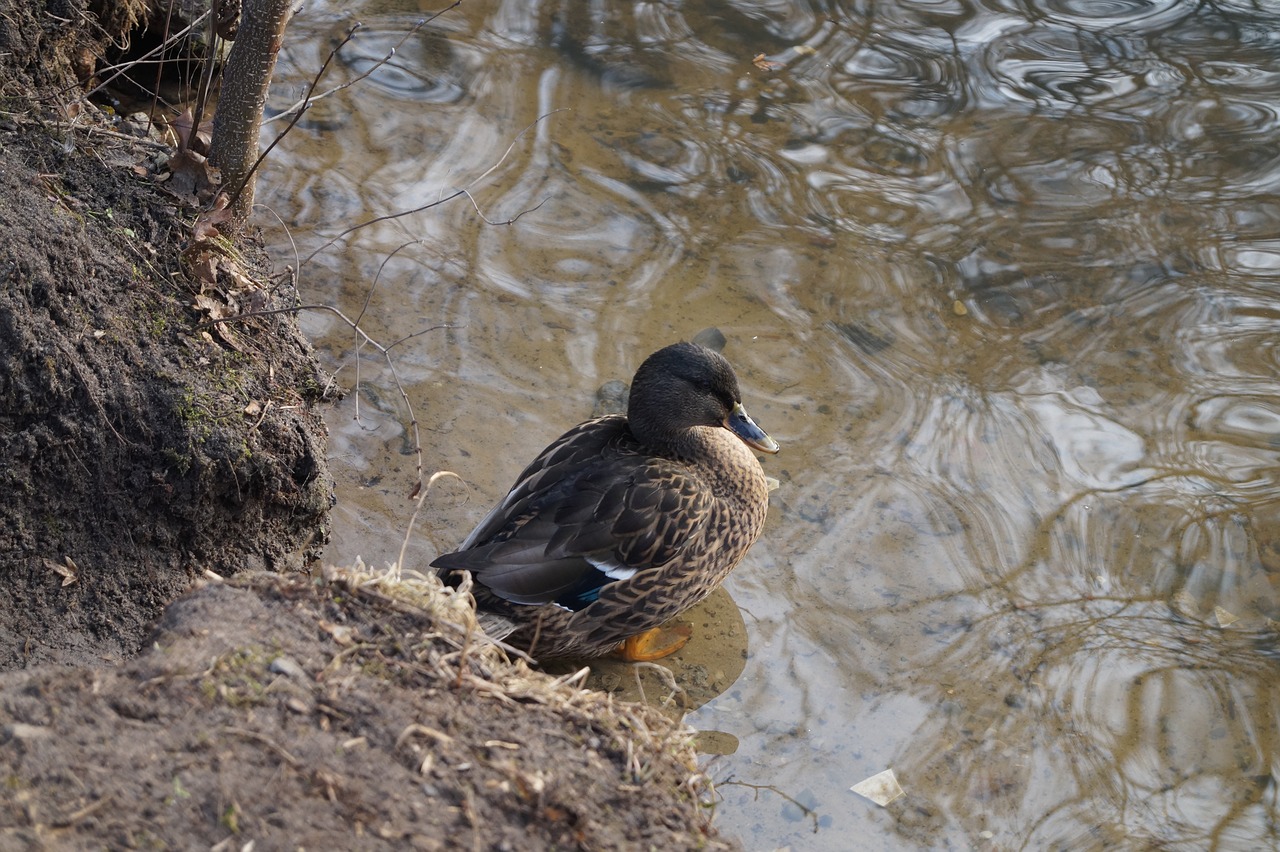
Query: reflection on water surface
[[1002, 277]]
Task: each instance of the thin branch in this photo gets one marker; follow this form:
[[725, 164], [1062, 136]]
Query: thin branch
[[807, 811], [293, 245], [464, 191], [375, 220], [205, 84], [315, 81], [516, 139], [122, 69], [419, 498], [310, 97], [510, 221], [329, 308], [395, 376]]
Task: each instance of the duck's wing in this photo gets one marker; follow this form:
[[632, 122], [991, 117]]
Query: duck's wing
[[572, 451], [605, 518]]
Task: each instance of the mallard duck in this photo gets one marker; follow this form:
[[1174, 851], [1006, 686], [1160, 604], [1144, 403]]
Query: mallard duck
[[624, 521]]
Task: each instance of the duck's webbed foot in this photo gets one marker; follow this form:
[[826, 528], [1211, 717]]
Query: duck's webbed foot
[[656, 643]]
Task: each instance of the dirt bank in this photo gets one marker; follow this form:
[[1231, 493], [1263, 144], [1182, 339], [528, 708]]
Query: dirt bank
[[348, 714], [136, 448]]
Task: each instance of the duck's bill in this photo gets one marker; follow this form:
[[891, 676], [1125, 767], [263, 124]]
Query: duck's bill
[[740, 423]]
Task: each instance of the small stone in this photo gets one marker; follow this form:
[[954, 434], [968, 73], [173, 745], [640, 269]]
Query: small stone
[[22, 731], [287, 666]]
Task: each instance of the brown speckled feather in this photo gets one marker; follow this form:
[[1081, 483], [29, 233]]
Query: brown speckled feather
[[603, 536], [593, 497]]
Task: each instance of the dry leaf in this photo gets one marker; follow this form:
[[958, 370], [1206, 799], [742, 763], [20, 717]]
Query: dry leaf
[[207, 222], [190, 136], [205, 270], [210, 306], [1226, 618], [193, 180], [783, 58], [341, 633], [1184, 603], [242, 281], [68, 571]]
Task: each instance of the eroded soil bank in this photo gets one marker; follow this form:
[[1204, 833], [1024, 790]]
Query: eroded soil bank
[[137, 448]]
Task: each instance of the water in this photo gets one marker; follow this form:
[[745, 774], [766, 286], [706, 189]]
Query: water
[[1003, 278]]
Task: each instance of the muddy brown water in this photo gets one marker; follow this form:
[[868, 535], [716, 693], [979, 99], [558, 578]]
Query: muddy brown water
[[1002, 277]]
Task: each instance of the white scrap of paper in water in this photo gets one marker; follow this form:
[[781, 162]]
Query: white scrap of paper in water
[[881, 788]]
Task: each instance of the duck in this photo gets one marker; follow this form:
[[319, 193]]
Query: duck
[[624, 521]]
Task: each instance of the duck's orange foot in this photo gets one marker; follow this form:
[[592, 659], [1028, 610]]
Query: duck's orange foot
[[656, 643]]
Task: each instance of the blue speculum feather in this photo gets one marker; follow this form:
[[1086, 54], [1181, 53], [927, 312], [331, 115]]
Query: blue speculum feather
[[586, 591]]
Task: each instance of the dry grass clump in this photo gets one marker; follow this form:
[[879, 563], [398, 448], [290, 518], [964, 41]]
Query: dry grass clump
[[449, 647]]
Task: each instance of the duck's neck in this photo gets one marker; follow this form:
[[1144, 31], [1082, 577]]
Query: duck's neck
[[732, 470], [687, 445]]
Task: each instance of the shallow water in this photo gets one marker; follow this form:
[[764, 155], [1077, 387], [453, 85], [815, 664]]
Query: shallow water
[[1003, 278]]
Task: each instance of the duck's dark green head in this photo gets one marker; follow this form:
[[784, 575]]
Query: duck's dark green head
[[686, 385]]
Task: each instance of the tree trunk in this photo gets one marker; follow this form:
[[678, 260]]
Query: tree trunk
[[238, 118]]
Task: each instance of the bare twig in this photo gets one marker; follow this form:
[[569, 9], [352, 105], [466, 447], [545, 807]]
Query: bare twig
[[385, 351], [419, 498], [205, 84], [305, 102], [464, 191], [315, 81], [807, 811], [264, 740], [124, 68]]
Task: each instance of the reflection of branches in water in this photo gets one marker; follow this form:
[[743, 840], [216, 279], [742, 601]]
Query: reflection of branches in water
[[1121, 783], [445, 198], [1004, 583], [1098, 740], [1041, 540], [807, 811], [1146, 624], [1135, 788]]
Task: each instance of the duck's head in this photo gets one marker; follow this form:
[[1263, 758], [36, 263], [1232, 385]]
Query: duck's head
[[686, 385]]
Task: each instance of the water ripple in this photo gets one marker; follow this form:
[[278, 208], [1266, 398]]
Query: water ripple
[[427, 67], [1046, 67], [1148, 16], [1001, 275]]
